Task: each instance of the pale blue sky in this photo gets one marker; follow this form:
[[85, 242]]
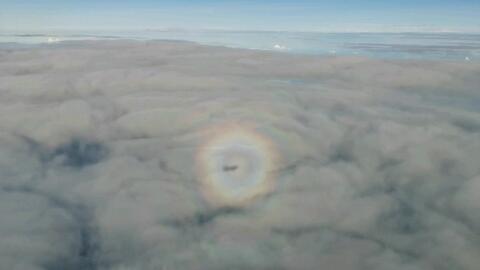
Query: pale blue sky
[[300, 15]]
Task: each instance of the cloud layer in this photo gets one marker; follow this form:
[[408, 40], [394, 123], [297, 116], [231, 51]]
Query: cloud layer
[[378, 170]]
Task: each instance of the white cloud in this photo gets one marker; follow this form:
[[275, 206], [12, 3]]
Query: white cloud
[[280, 47], [378, 168]]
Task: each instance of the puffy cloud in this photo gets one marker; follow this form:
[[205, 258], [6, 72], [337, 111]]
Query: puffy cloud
[[375, 162]]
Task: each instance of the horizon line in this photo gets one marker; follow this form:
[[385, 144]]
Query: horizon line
[[175, 29]]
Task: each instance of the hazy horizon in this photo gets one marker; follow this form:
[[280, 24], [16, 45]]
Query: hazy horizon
[[432, 46]]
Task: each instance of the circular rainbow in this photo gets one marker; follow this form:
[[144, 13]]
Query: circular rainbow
[[235, 164]]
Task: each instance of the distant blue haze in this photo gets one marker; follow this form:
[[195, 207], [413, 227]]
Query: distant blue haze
[[280, 15]]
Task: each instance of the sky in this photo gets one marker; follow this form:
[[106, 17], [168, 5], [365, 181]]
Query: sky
[[300, 15]]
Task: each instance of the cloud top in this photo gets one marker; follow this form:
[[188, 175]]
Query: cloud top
[[339, 162]]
